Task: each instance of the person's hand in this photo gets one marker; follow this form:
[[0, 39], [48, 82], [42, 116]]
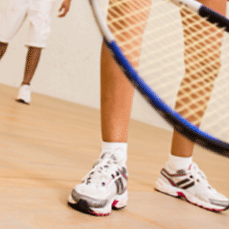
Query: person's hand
[[64, 8]]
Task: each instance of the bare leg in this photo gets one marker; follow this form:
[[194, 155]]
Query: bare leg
[[3, 47], [181, 146], [116, 99], [32, 59], [116, 91]]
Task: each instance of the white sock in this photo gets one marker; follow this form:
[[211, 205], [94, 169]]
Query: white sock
[[177, 163], [120, 149]]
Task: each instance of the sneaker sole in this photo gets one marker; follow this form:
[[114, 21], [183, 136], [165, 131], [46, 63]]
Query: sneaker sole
[[117, 203], [22, 101]]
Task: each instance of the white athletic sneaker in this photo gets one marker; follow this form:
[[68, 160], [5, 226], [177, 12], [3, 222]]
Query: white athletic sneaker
[[24, 94], [192, 186], [104, 188]]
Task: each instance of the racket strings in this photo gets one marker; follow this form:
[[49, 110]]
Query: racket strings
[[180, 54], [202, 64]]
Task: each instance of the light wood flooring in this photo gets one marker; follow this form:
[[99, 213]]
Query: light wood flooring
[[47, 147]]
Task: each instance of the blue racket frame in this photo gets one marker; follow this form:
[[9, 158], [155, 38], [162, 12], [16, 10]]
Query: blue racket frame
[[180, 124]]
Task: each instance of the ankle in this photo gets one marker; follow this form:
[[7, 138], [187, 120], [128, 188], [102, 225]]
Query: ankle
[[177, 163], [25, 83], [119, 148]]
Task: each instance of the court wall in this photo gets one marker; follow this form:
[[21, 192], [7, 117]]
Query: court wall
[[70, 65]]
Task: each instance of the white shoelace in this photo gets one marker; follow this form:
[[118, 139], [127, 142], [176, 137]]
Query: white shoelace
[[200, 176], [101, 172]]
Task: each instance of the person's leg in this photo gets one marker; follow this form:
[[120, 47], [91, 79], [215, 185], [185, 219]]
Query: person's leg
[[13, 17], [116, 99], [116, 91], [181, 177], [39, 16], [3, 47], [110, 172], [181, 146], [32, 60]]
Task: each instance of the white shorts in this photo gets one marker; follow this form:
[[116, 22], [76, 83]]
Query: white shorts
[[39, 14]]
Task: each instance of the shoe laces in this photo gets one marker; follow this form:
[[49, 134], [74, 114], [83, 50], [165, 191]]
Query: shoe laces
[[103, 170], [200, 176]]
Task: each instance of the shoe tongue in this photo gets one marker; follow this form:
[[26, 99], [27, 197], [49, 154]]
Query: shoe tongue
[[117, 155]]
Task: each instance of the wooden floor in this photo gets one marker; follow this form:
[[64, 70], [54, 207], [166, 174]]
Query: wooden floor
[[47, 147]]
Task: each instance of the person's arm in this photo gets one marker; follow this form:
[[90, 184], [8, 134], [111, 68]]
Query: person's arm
[[64, 8]]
